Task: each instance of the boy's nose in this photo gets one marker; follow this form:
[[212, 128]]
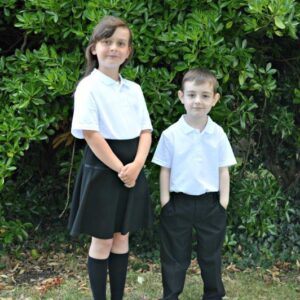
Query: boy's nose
[[197, 99]]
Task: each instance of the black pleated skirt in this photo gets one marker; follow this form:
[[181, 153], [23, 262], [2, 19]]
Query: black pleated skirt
[[101, 204]]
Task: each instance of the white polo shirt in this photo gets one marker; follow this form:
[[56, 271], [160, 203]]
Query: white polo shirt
[[115, 109], [194, 157]]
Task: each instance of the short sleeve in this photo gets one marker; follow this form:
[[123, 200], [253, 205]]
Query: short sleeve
[[85, 116], [144, 114], [163, 153], [226, 156]]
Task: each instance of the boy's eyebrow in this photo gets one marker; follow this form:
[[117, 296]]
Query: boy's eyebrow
[[203, 92]]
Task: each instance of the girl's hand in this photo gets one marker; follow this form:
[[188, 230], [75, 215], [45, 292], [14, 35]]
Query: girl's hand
[[130, 185], [129, 173]]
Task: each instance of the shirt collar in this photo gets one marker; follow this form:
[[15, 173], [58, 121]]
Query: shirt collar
[[108, 80], [209, 127]]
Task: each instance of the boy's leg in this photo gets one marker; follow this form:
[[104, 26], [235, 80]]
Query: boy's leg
[[210, 237], [176, 244]]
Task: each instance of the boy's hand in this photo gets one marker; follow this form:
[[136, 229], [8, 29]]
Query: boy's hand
[[164, 201], [225, 205], [129, 173]]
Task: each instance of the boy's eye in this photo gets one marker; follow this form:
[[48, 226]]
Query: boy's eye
[[206, 96], [191, 95]]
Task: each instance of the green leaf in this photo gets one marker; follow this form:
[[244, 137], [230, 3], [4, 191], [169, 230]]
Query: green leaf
[[229, 25], [279, 23]]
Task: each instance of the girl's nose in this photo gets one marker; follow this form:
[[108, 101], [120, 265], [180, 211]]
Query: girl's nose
[[113, 46]]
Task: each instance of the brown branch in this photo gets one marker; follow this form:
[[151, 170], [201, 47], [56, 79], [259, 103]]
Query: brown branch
[[24, 42]]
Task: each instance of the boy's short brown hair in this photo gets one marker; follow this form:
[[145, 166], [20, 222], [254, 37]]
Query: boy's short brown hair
[[200, 76]]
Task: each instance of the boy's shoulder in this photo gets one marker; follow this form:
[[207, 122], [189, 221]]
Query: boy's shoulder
[[173, 128], [215, 130], [181, 124], [180, 127], [215, 126]]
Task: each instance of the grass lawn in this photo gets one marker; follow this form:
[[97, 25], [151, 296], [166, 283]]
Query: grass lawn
[[63, 277]]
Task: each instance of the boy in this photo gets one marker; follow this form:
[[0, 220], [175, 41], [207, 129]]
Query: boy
[[194, 155]]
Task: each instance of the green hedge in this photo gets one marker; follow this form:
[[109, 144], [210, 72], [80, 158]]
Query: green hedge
[[250, 45]]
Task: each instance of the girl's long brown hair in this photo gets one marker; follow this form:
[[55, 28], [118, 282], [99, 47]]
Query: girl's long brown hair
[[104, 29]]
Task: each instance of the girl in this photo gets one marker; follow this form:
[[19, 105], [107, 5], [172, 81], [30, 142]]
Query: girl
[[111, 195]]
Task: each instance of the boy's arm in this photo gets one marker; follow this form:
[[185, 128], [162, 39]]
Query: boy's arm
[[102, 150], [224, 186], [164, 181]]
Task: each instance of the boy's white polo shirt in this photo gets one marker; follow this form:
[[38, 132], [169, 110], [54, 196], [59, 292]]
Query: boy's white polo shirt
[[194, 157], [115, 109]]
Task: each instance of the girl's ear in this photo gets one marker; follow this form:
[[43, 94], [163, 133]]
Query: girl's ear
[[93, 49], [129, 53]]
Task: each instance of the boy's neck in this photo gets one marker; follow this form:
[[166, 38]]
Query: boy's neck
[[197, 123]]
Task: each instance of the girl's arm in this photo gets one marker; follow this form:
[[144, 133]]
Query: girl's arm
[[102, 150], [164, 182], [131, 171], [224, 186]]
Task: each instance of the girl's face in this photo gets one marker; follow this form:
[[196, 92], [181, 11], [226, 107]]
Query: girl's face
[[113, 51]]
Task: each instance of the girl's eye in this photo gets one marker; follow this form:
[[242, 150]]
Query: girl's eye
[[106, 42], [121, 44]]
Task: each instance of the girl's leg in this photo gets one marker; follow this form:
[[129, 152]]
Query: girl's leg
[[97, 266], [117, 265]]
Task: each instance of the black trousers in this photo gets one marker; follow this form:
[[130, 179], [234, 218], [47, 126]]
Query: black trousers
[[178, 218]]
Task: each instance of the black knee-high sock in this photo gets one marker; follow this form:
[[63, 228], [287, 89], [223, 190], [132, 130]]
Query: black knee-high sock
[[117, 266], [97, 269]]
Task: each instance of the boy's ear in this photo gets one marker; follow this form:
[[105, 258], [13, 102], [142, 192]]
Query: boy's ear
[[180, 95], [217, 97]]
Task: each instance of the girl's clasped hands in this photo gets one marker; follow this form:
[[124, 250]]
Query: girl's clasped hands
[[129, 174]]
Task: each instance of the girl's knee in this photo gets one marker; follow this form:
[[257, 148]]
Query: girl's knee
[[100, 248], [120, 243]]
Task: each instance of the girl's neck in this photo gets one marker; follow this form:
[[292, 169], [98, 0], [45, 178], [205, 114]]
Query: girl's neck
[[112, 73], [197, 123]]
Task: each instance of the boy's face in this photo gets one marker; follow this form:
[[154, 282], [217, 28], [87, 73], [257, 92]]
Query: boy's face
[[198, 99]]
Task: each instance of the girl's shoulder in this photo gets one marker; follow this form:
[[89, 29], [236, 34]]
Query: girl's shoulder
[[86, 83], [85, 80], [131, 84]]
